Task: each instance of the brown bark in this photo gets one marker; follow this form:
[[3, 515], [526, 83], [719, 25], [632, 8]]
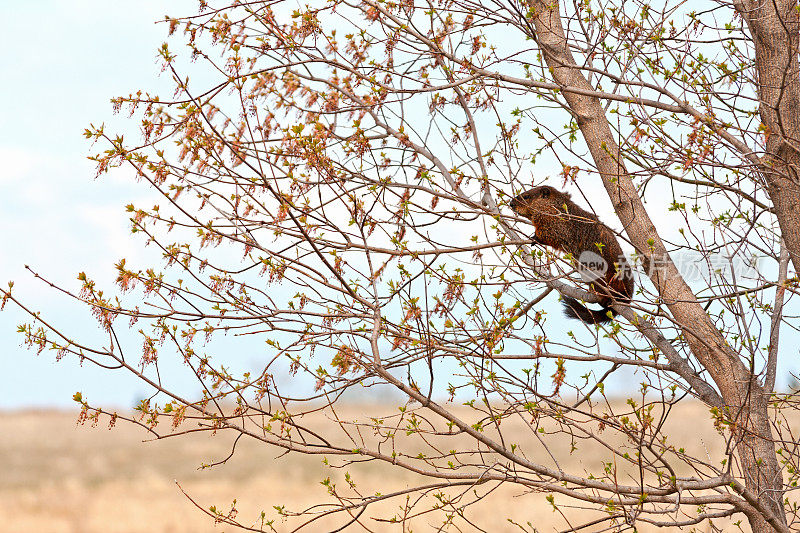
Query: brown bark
[[773, 26], [744, 398]]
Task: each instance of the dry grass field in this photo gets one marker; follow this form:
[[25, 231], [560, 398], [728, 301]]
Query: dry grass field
[[56, 476]]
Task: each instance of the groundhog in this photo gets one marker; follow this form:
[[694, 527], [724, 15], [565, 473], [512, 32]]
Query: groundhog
[[562, 225]]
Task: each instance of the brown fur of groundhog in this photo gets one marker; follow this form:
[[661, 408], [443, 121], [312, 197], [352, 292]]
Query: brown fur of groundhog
[[562, 225]]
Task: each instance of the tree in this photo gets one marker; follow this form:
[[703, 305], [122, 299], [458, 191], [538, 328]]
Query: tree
[[336, 187]]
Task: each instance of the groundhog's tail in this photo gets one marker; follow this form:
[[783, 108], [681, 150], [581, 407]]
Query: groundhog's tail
[[575, 309]]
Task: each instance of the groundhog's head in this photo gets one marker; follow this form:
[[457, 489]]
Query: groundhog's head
[[538, 201]]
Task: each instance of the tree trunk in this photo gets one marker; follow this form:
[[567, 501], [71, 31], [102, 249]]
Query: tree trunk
[[773, 26], [745, 400]]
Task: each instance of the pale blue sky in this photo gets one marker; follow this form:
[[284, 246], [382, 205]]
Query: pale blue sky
[[61, 63]]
